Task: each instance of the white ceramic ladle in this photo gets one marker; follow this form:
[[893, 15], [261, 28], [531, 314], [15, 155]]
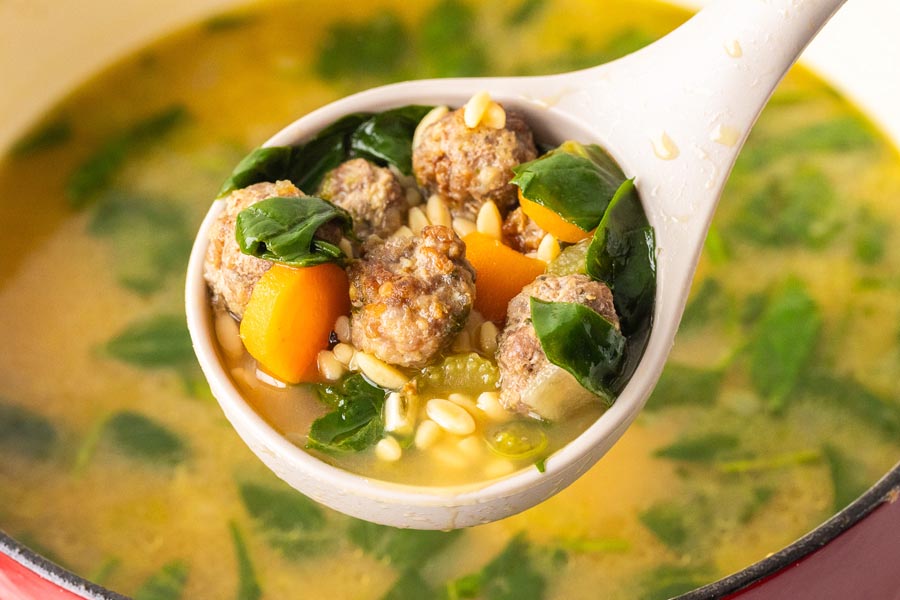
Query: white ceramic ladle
[[674, 115]]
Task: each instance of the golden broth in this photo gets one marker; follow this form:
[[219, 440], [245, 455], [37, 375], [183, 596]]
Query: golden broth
[[724, 466]]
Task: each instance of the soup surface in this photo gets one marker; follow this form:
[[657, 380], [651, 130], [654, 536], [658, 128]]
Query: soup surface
[[780, 405]]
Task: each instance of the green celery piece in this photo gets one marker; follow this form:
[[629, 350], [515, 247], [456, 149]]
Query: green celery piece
[[701, 448], [581, 341], [404, 549], [575, 181], [681, 385], [47, 136], [166, 584], [248, 585], [98, 171], [355, 423], [159, 341], [785, 337], [283, 230], [25, 432], [848, 476], [291, 523], [571, 260], [137, 436], [470, 373], [770, 463], [149, 239], [668, 523], [447, 46], [374, 48]]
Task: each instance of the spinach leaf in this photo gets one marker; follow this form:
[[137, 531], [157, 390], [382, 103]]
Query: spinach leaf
[[95, 173], [847, 394], [291, 523], [448, 43], [702, 448], [386, 137], [798, 209], [622, 254], [140, 437], [283, 230], [150, 239], [785, 337], [581, 341], [524, 12], [49, 135], [758, 498], [668, 522], [411, 586], [248, 586], [710, 304], [262, 164], [668, 581], [167, 584], [159, 341], [376, 48], [355, 423], [511, 575], [680, 385], [229, 21], [870, 239], [404, 549], [25, 432], [848, 477], [575, 181], [841, 135]]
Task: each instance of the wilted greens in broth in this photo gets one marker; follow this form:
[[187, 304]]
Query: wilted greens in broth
[[780, 404]]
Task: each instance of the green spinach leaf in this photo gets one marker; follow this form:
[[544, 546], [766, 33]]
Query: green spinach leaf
[[668, 522], [622, 254], [248, 586], [448, 44], [411, 586], [404, 549], [47, 136], [140, 437], [871, 235], [291, 523], [96, 173], [386, 137], [581, 341], [355, 423], [525, 11], [167, 584], [25, 432], [848, 476], [680, 385], [159, 341], [511, 575], [785, 337], [283, 230], [575, 181], [847, 394], [262, 164], [668, 581], [701, 448], [376, 48]]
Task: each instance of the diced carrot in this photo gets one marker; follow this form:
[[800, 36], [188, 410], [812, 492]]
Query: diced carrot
[[290, 316], [500, 273], [551, 222]]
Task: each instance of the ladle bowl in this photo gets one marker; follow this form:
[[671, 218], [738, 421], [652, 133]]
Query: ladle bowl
[[674, 115]]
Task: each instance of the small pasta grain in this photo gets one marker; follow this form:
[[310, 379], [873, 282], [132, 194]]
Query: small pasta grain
[[489, 404], [437, 212], [427, 434], [346, 247], [330, 367], [548, 248], [229, 335], [487, 338], [463, 227], [476, 108], [344, 353], [380, 372], [463, 400], [451, 417], [399, 413], [417, 220], [471, 446], [489, 221], [430, 117], [342, 328], [388, 449], [494, 117], [462, 342]]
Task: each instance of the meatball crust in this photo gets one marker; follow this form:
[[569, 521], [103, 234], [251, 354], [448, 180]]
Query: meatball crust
[[411, 296], [467, 166], [519, 353], [231, 274], [371, 194], [521, 233]]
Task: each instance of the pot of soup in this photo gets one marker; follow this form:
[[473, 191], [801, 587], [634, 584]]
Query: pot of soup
[[763, 465]]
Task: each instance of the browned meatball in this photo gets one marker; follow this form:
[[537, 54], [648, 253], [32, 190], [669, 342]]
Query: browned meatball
[[471, 166], [411, 296], [371, 194], [230, 273], [521, 233], [526, 376]]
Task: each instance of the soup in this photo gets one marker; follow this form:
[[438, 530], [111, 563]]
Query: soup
[[779, 405]]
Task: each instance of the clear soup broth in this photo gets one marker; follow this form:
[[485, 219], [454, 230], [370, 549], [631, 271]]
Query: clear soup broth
[[781, 402]]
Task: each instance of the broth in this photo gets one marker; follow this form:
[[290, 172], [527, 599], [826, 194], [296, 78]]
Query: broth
[[780, 404]]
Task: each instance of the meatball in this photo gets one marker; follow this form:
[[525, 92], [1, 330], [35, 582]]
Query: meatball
[[471, 166], [531, 384], [371, 194], [521, 233], [411, 296], [230, 273]]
